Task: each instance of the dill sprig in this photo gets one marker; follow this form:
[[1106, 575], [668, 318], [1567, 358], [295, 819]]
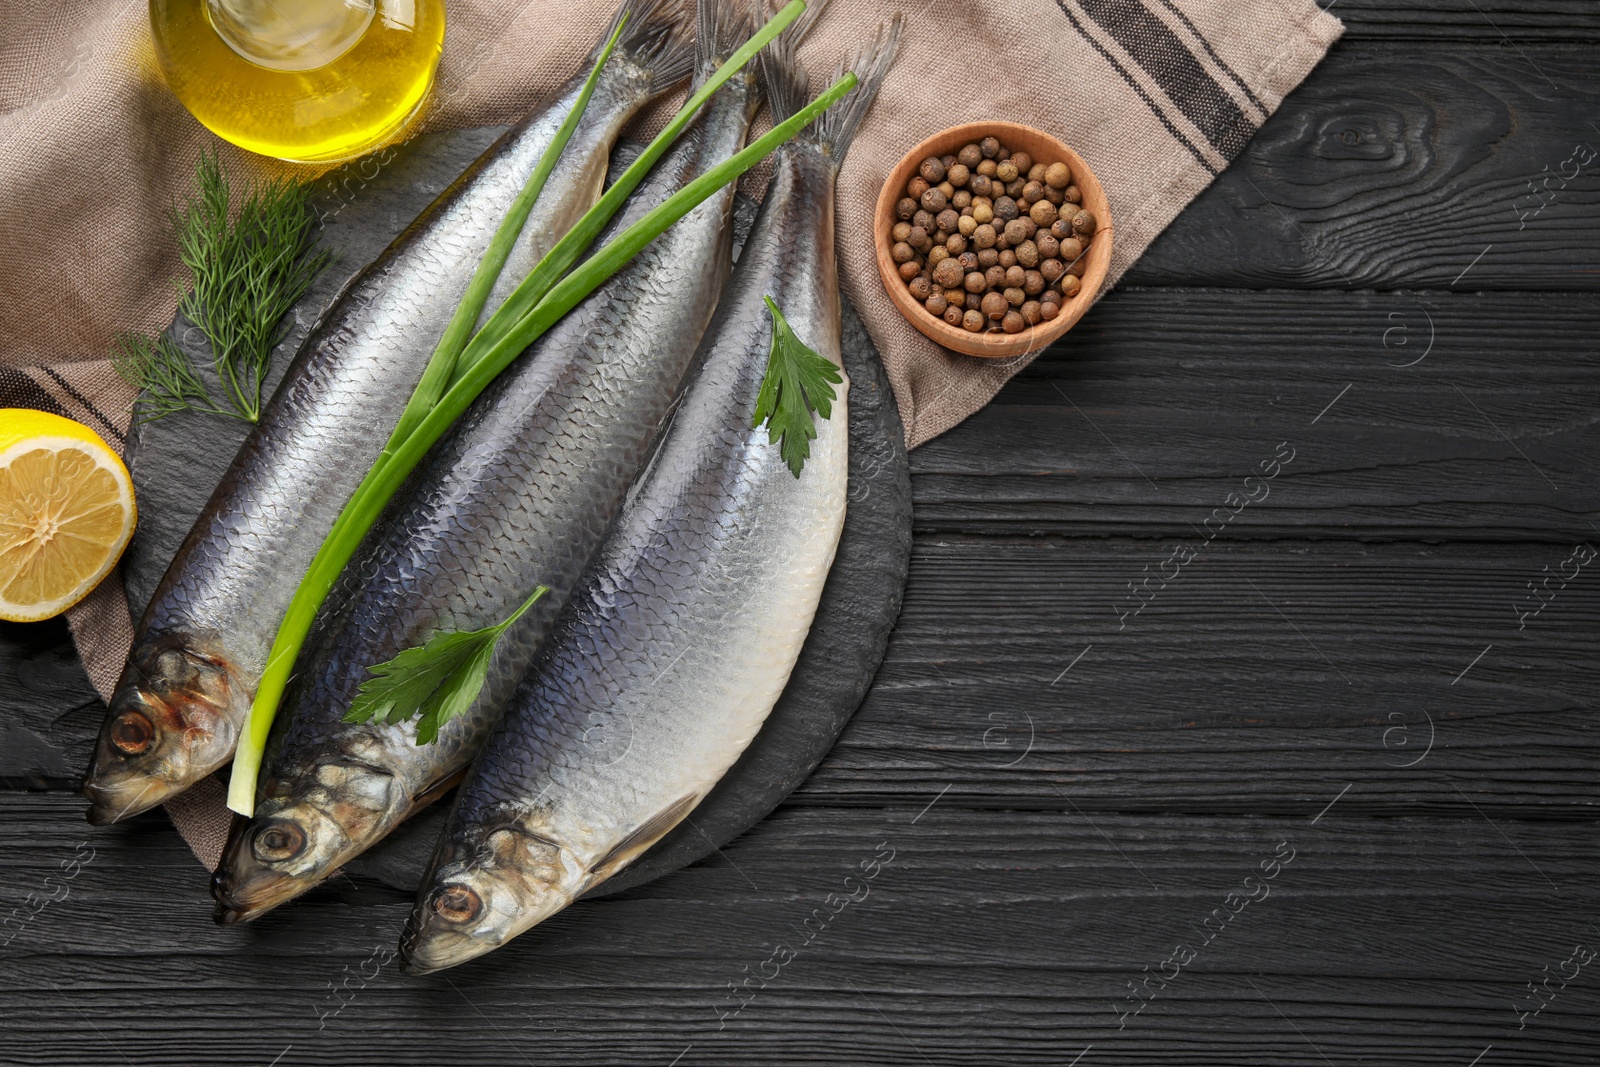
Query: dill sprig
[[247, 267]]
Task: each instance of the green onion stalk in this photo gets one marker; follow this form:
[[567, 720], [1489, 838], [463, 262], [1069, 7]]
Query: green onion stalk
[[441, 366], [488, 358]]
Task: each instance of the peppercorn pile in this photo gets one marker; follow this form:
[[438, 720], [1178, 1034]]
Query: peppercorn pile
[[992, 239]]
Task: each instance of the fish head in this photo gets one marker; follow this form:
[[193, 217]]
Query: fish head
[[306, 825], [478, 896], [174, 719]]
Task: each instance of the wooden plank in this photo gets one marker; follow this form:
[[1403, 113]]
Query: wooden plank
[[1360, 942], [1501, 23], [1267, 674], [1162, 402], [1392, 169]]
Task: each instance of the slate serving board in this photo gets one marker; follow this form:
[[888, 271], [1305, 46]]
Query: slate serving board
[[177, 461]]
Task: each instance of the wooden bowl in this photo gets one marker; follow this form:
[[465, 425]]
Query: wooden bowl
[[994, 343]]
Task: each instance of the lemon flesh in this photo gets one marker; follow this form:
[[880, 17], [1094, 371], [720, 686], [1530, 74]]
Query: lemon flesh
[[66, 513]]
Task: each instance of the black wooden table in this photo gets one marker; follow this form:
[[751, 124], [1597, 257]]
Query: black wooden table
[[1241, 711]]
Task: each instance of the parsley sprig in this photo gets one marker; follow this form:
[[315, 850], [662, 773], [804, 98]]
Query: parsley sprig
[[798, 381], [436, 681]]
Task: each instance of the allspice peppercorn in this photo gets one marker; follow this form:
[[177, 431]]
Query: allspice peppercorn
[[948, 273], [988, 238]]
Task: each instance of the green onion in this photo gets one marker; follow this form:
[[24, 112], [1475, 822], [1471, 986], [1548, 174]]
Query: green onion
[[381, 483], [441, 368], [572, 245]]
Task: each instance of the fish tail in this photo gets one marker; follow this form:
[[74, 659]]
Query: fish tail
[[788, 88], [721, 26], [653, 40]]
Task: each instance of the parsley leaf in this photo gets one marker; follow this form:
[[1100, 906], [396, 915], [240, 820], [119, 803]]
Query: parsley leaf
[[437, 681], [797, 382]]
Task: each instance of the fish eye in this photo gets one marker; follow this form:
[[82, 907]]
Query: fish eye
[[131, 733], [278, 841], [457, 904]]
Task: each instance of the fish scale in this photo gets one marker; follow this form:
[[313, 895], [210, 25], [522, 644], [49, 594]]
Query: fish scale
[[687, 623], [518, 495], [202, 644]]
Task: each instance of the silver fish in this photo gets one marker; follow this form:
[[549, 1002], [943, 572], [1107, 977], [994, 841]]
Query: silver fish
[[203, 642], [519, 496], [685, 628]]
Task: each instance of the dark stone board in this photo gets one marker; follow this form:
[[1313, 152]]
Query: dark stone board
[[178, 460]]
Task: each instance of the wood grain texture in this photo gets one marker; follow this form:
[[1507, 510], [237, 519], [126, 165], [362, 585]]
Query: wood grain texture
[[1395, 166], [1385, 941], [1496, 23]]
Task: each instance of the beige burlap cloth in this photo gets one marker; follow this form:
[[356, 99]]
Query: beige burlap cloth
[[1158, 96]]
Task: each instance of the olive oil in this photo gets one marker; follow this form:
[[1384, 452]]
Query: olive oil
[[302, 80]]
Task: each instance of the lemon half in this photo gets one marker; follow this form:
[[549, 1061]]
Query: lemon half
[[66, 513]]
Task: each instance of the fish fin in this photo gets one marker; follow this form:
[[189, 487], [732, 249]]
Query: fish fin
[[835, 128], [653, 830], [654, 40], [787, 85], [438, 789], [721, 26]]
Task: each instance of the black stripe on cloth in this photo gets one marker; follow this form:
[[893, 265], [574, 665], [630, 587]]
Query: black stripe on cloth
[[17, 390], [1168, 60], [88, 405], [1155, 109], [1233, 75]]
